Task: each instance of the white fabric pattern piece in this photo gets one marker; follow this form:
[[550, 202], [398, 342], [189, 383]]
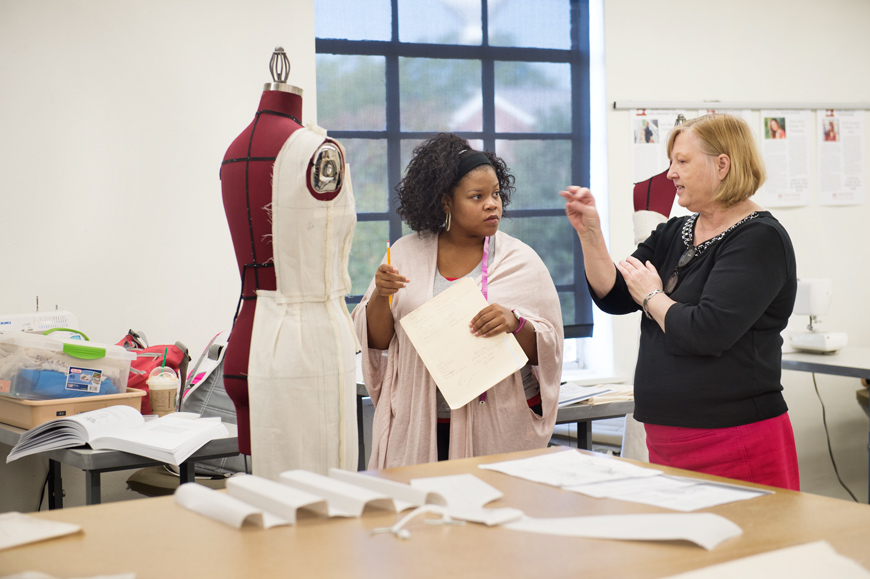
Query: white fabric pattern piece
[[302, 373]]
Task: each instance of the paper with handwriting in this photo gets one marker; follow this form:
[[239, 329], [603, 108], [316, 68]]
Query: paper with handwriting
[[462, 365]]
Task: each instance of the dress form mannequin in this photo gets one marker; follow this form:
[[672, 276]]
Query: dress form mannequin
[[655, 194], [289, 366], [655, 201], [246, 185]]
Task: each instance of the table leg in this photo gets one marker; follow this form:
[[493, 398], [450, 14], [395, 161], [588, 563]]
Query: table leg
[[361, 441], [187, 472], [584, 434], [92, 488], [55, 485]]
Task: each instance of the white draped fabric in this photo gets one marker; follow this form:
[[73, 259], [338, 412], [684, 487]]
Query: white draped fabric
[[302, 372]]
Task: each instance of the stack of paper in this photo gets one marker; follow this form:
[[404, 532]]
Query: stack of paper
[[615, 393], [571, 393], [603, 476]]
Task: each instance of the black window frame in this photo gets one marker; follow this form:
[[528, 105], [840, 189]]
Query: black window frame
[[577, 57]]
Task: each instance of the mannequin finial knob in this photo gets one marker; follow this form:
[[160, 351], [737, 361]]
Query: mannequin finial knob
[[279, 65]]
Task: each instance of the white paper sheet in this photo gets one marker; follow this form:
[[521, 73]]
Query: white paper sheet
[[650, 130], [488, 517], [20, 529], [272, 497], [222, 507], [809, 561], [785, 146], [704, 529], [570, 393], [344, 499], [404, 496], [462, 491], [570, 468], [461, 364], [840, 157], [676, 493], [619, 488]]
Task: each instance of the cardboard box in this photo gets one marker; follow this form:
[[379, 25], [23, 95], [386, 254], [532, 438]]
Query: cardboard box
[[29, 413]]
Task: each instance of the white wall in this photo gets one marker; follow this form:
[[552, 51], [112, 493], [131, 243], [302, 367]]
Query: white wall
[[114, 119], [776, 51]]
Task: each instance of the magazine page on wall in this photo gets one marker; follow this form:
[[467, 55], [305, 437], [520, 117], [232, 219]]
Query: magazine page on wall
[[785, 146], [840, 153], [650, 129]]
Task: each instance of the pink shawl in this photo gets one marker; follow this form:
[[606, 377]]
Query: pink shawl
[[403, 392]]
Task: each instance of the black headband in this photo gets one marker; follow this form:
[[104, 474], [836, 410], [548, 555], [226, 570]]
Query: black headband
[[469, 161]]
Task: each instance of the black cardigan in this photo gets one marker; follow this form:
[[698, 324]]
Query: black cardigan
[[717, 364]]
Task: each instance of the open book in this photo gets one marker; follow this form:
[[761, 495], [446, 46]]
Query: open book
[[170, 439]]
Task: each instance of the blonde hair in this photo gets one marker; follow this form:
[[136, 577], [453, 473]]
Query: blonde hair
[[722, 134]]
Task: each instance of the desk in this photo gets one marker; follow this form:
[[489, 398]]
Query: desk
[[96, 462], [584, 414], [156, 538], [852, 362], [581, 414]]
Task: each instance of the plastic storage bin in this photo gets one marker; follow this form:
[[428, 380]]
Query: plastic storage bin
[[38, 367]]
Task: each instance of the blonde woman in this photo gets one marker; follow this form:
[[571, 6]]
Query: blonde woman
[[716, 289]]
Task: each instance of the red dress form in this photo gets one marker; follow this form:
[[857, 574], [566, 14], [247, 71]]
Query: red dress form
[[655, 194], [246, 184]]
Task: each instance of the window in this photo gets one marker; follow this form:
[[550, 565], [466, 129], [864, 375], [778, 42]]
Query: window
[[511, 76]]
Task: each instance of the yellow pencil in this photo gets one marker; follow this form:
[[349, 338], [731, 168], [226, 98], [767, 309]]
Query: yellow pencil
[[388, 263]]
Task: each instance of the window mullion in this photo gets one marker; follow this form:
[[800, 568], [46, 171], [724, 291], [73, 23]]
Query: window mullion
[[394, 142]]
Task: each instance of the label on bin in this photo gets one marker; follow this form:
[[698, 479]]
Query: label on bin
[[84, 379], [5, 386]]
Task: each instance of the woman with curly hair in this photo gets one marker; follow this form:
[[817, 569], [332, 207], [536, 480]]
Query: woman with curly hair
[[453, 198]]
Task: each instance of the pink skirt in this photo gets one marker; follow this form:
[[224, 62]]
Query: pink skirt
[[762, 452]]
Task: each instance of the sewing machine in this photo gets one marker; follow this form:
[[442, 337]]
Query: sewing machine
[[38, 321], [813, 299]]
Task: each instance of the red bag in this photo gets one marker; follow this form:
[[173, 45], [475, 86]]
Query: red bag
[[148, 358]]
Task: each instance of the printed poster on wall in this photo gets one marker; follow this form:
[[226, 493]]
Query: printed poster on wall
[[739, 113], [785, 146], [840, 157], [650, 129]]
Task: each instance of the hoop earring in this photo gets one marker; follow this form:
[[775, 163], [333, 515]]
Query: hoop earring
[[447, 226]]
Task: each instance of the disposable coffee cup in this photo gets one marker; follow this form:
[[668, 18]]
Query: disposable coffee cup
[[163, 390]]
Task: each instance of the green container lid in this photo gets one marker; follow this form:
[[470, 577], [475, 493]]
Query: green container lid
[[83, 351]]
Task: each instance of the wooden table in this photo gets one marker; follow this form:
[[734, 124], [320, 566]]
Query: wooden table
[[96, 462], [155, 538]]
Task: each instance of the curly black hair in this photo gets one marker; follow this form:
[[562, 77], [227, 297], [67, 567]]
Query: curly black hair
[[434, 172]]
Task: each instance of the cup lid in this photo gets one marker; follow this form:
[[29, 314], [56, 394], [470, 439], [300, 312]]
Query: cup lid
[[163, 371]]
